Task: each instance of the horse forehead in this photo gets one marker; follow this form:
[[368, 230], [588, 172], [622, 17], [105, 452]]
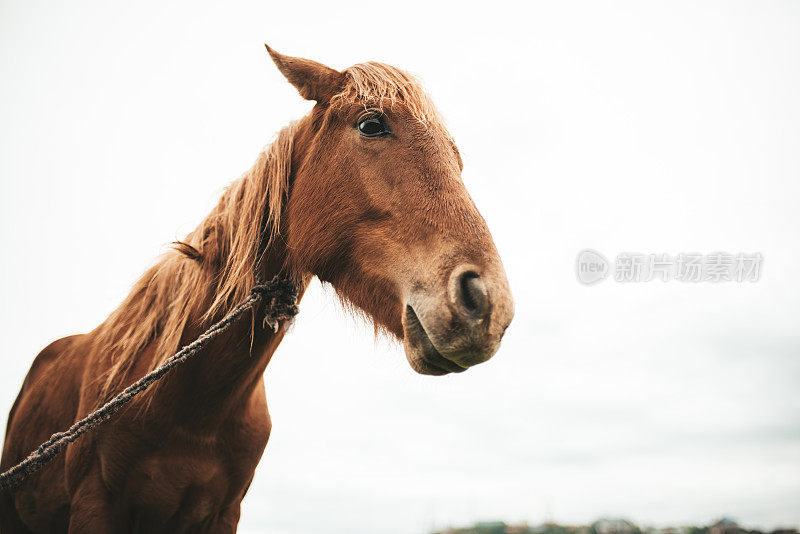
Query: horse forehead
[[433, 141], [433, 137]]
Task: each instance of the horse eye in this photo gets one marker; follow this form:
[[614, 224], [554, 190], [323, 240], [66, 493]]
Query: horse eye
[[372, 127]]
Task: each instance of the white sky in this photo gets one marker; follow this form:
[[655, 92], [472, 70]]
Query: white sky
[[622, 126]]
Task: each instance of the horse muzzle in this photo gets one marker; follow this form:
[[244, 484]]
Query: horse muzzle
[[459, 325]]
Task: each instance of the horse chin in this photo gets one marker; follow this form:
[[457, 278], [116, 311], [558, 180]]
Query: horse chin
[[421, 353]]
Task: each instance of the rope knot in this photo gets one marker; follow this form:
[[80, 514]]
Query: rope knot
[[282, 303]]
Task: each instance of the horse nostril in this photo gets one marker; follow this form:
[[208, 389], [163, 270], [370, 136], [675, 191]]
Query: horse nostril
[[473, 296]]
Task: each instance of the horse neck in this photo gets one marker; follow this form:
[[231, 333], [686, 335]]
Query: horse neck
[[212, 387], [218, 385]]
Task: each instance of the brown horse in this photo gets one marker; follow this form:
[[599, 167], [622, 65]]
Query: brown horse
[[365, 193]]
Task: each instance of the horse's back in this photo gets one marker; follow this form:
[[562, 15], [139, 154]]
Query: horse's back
[[47, 403]]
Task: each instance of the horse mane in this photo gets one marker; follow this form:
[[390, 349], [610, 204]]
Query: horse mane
[[204, 275]]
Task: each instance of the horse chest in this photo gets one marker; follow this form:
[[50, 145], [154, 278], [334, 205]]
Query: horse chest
[[187, 481], [177, 488]]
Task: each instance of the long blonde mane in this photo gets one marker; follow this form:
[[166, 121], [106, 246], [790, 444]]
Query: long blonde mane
[[204, 275]]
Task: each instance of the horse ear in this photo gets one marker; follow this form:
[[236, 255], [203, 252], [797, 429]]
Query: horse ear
[[314, 81]]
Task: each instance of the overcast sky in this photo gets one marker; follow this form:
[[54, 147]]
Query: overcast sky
[[661, 127]]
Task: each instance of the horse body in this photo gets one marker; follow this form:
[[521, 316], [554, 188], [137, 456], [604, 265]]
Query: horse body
[[364, 193], [177, 460]]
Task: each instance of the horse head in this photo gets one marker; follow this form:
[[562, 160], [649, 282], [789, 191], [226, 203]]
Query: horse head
[[378, 209]]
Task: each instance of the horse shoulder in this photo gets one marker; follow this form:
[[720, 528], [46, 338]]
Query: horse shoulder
[[47, 400], [47, 403]]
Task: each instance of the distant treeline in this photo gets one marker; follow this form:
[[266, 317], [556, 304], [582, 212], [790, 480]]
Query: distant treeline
[[607, 526]]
